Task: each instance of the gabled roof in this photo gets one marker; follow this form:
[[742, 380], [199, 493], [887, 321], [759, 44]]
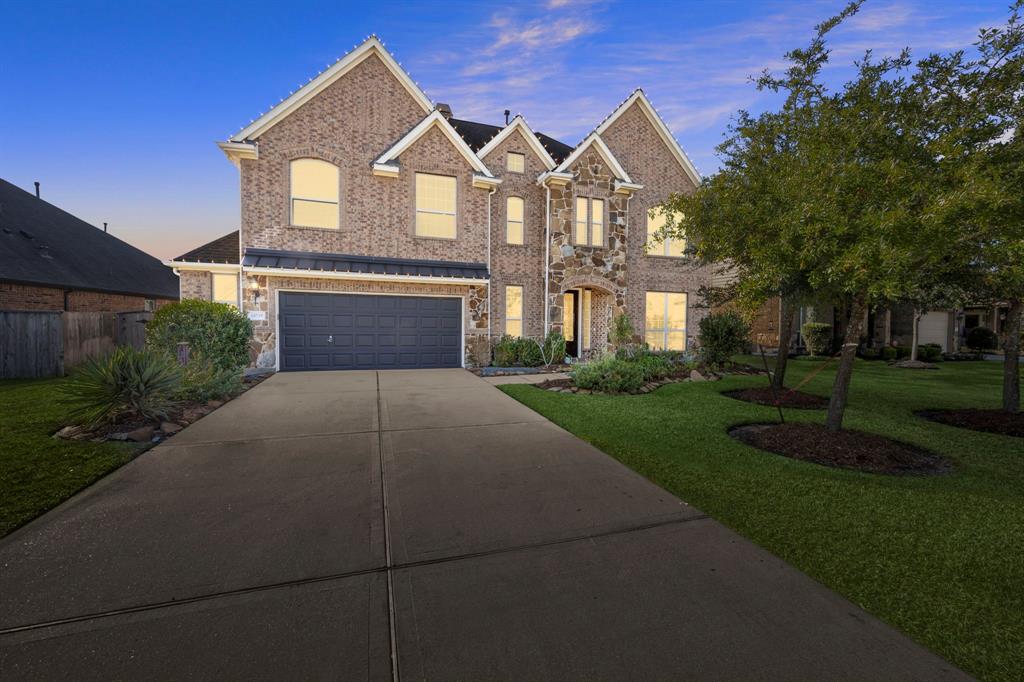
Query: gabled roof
[[371, 46], [384, 165], [519, 123], [221, 250], [594, 140], [477, 135], [44, 245], [638, 97]]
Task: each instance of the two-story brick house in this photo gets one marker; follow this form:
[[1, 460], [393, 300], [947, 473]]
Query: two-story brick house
[[377, 230]]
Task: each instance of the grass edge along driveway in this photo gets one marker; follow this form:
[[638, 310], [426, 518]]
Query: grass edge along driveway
[[937, 557], [38, 472]]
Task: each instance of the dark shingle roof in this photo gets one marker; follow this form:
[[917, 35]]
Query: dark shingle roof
[[477, 135], [42, 244], [221, 250], [337, 262]]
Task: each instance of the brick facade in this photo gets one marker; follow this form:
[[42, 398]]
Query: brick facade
[[27, 297], [353, 120]]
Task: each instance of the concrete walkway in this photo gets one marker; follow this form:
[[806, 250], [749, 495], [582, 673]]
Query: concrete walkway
[[416, 525]]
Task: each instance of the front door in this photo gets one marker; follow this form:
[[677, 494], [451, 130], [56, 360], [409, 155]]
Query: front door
[[571, 322]]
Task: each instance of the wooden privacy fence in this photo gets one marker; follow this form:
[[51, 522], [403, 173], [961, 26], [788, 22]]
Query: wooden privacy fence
[[45, 344]]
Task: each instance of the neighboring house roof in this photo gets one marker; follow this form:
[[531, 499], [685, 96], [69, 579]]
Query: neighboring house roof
[[371, 265], [221, 250], [478, 135], [384, 165], [639, 97], [44, 245], [518, 123]]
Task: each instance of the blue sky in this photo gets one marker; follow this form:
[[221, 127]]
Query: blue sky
[[115, 107]]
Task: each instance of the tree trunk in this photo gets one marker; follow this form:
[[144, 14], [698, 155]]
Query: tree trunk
[[1011, 361], [785, 333], [913, 337], [841, 387]]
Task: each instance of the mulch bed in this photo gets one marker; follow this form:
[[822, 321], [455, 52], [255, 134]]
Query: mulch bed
[[989, 421], [856, 450], [764, 396]]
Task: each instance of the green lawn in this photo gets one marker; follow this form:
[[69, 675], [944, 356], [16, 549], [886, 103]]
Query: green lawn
[[941, 558], [38, 472]]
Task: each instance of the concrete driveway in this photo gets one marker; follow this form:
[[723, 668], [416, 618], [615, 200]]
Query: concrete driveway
[[409, 524]]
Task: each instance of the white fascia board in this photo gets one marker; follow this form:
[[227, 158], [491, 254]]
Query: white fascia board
[[236, 151], [385, 170], [626, 187], [370, 46], [435, 118], [330, 274], [594, 140], [485, 182], [202, 267], [554, 178], [671, 142], [519, 123]]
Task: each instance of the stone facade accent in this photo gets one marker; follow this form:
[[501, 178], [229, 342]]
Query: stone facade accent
[[28, 297]]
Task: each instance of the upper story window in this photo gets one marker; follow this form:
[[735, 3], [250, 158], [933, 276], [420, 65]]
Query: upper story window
[[314, 193], [675, 248], [435, 206], [515, 163], [589, 222], [225, 288], [514, 220]]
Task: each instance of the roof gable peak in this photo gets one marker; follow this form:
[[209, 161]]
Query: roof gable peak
[[384, 164], [519, 123], [594, 140]]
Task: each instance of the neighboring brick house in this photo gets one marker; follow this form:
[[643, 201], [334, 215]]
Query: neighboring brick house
[[377, 230], [51, 260]]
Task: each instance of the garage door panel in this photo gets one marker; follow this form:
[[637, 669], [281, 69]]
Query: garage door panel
[[353, 331]]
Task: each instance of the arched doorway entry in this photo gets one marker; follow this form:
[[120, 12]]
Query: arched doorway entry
[[587, 309]]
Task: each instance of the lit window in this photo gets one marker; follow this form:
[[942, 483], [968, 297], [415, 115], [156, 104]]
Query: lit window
[[656, 222], [515, 163], [435, 206], [314, 193], [514, 311], [589, 224], [225, 288], [514, 220], [569, 316], [665, 321]]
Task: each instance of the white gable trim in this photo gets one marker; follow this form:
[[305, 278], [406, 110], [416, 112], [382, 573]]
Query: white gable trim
[[236, 151], [370, 46], [638, 96], [435, 118], [594, 139], [519, 123]]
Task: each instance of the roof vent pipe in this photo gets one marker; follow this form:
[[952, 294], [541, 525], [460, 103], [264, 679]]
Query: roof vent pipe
[[507, 112], [37, 189], [104, 227], [445, 109]]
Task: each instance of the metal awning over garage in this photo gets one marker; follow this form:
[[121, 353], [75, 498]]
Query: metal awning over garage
[[313, 263]]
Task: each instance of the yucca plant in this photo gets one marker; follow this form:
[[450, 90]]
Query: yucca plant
[[127, 383]]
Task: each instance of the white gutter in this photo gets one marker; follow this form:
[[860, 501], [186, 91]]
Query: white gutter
[[490, 314], [202, 267], [366, 276], [547, 254]]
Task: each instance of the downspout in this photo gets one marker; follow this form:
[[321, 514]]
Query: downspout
[[490, 312], [547, 253]]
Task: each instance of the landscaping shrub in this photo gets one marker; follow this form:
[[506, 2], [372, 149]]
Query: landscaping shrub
[[610, 375], [505, 351], [721, 336], [554, 348], [889, 353], [128, 383], [817, 337], [902, 352], [528, 353], [929, 352], [622, 334], [654, 366], [982, 338], [202, 380], [870, 353], [217, 331]]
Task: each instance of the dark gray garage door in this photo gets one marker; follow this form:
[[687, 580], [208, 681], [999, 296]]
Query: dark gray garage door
[[353, 331]]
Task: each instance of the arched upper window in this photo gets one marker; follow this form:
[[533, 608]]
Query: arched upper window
[[514, 220], [314, 199]]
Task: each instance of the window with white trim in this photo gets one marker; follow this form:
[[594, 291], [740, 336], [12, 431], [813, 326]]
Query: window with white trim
[[665, 320], [314, 193], [435, 206], [589, 222], [514, 208], [225, 288], [668, 246], [514, 310], [515, 163]]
